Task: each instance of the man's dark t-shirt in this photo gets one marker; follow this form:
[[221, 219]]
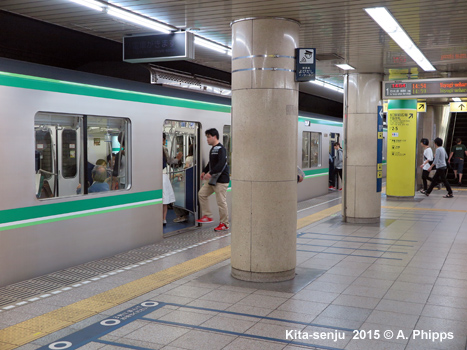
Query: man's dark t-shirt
[[217, 159]]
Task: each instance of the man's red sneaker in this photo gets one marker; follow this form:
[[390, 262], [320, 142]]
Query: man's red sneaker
[[221, 227], [204, 220]]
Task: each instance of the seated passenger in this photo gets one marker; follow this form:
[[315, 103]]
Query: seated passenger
[[99, 175]]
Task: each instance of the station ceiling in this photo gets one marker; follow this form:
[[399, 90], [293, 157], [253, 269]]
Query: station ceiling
[[340, 30]]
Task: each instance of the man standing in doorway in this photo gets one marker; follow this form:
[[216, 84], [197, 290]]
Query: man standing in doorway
[[217, 167], [459, 152]]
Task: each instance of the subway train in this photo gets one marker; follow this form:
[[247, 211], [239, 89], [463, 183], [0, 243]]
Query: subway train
[[54, 130]]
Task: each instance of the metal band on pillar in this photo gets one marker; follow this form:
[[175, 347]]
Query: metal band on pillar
[[264, 132]]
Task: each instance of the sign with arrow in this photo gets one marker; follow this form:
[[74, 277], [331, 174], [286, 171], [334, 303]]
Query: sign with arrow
[[305, 64], [458, 107], [421, 107]]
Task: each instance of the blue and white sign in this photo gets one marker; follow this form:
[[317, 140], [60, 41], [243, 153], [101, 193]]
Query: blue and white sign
[[379, 153], [305, 64]]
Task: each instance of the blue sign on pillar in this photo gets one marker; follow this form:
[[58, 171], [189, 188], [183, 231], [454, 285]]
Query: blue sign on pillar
[[305, 64], [379, 161]]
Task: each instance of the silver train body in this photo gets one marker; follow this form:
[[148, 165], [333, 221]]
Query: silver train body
[[49, 128]]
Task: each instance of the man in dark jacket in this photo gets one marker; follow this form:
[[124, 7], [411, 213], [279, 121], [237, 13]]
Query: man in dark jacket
[[217, 165]]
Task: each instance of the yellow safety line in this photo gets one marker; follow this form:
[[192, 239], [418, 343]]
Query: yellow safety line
[[40, 326], [301, 223], [429, 209]]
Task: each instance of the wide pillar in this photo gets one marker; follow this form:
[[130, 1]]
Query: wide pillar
[[264, 138], [361, 203]]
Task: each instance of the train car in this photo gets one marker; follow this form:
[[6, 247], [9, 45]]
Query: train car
[[54, 132]]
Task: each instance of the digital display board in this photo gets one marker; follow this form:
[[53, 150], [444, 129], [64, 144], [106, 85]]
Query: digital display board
[[158, 47], [421, 88]]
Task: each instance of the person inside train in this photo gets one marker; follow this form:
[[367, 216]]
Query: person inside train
[[338, 161], [331, 173], [168, 195], [427, 161], [218, 168], [99, 175], [441, 167], [182, 214], [300, 174], [458, 153], [119, 169]]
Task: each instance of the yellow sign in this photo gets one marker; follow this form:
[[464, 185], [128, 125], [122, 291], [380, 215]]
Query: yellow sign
[[380, 175], [380, 135], [380, 166], [402, 132], [458, 106], [421, 106], [385, 107]]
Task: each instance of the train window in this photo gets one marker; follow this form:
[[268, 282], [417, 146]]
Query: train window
[[108, 145], [69, 162], [227, 142], [60, 154], [311, 149]]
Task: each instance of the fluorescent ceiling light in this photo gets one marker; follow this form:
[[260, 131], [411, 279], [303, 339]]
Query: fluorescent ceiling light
[[139, 20], [345, 66], [212, 45], [389, 24], [327, 85], [95, 5], [456, 99]]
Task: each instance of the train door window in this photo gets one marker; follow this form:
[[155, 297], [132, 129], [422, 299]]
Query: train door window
[[227, 142], [60, 152], [311, 149], [69, 160]]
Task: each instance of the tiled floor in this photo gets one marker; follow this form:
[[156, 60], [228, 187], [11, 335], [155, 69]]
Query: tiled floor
[[401, 284]]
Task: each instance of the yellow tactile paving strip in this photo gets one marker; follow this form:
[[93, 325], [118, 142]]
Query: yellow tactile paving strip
[[40, 326], [425, 209], [301, 223]]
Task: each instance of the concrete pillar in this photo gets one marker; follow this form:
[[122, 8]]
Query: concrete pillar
[[361, 202], [264, 138]]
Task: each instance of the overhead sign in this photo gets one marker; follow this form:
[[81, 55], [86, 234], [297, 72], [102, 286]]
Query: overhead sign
[[305, 64], [158, 47], [423, 88], [402, 133], [421, 107], [458, 107]]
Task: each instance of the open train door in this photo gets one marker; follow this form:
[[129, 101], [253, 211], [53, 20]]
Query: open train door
[[183, 136]]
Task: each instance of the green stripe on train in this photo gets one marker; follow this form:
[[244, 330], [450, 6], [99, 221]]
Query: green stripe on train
[[319, 121], [73, 216], [76, 206], [35, 83], [316, 172]]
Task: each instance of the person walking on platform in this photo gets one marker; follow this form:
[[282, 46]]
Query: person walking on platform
[[427, 161], [216, 168], [459, 152], [338, 161], [441, 166]]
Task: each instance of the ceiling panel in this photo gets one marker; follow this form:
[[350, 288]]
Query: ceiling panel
[[339, 27]]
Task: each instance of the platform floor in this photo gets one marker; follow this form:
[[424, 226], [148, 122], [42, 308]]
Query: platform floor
[[400, 284]]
